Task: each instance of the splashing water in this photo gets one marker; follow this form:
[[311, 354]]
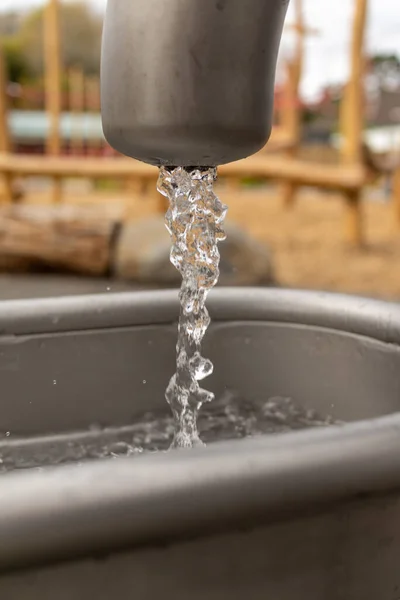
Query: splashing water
[[232, 416], [194, 220]]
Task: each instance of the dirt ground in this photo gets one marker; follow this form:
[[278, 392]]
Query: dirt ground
[[307, 242]]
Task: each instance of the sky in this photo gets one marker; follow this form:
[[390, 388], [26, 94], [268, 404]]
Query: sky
[[327, 52]]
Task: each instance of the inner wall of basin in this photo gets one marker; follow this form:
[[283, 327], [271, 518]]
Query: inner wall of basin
[[112, 376]]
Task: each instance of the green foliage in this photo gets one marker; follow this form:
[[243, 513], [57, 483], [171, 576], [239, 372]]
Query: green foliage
[[386, 70], [309, 116], [16, 65], [107, 185], [31, 40], [80, 38]]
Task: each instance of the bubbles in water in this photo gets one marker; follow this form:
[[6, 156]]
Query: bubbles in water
[[194, 220], [8, 433], [231, 416], [144, 381], [54, 381], [121, 449]]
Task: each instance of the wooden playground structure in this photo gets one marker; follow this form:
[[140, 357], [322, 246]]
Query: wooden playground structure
[[279, 161]]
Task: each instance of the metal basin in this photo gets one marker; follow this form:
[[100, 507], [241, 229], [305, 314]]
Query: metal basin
[[307, 515]]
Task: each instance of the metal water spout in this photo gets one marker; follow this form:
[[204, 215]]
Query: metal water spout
[[190, 82]]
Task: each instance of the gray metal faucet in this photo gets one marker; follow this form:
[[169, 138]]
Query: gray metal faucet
[[189, 82]]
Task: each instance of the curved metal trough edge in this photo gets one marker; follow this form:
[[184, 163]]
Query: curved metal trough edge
[[111, 505], [371, 318]]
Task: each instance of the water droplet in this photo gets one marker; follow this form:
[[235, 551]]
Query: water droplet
[[144, 381], [54, 381], [108, 289], [8, 433]]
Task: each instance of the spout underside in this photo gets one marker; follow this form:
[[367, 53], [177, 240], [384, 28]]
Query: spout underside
[[190, 83]]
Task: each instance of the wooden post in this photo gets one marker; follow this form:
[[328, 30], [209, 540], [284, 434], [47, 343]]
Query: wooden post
[[76, 87], [396, 194], [354, 218], [353, 104], [291, 113], [92, 101], [5, 143], [352, 118], [292, 125], [52, 56]]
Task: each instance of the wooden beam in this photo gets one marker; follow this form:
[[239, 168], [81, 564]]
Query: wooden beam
[[52, 59], [278, 168]]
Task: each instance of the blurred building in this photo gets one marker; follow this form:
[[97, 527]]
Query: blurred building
[[29, 130]]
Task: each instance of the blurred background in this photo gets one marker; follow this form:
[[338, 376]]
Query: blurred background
[[318, 208]]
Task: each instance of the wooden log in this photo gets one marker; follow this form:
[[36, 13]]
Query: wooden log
[[68, 237]]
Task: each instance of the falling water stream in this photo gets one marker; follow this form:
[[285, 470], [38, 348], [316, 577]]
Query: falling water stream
[[194, 220]]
